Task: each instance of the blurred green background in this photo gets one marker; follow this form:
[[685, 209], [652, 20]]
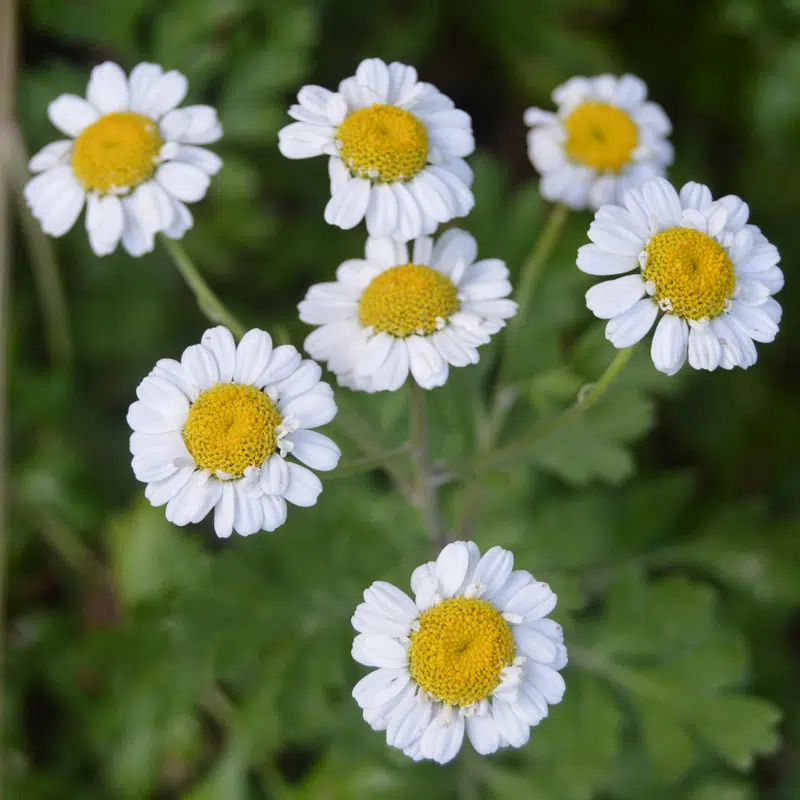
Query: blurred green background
[[146, 661]]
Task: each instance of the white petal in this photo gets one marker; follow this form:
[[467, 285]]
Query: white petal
[[108, 88], [166, 93], [380, 686], [755, 322], [144, 419], [315, 450], [200, 367], [409, 214], [282, 363], [161, 492], [426, 364], [611, 298], [382, 211], [252, 356], [372, 357], [348, 206], [547, 681], [301, 140], [616, 239], [451, 567], [224, 511], [199, 157], [184, 181], [493, 569], [142, 79], [670, 342], [628, 328], [534, 601], [663, 201], [152, 206], [383, 251], [105, 221], [136, 238], [312, 409], [247, 514], [379, 651], [220, 342], [274, 510], [392, 374], [274, 477], [302, 380], [696, 196], [704, 348], [182, 221], [163, 396], [304, 486], [534, 644], [405, 727], [51, 155], [191, 125], [373, 75], [511, 727], [71, 114], [443, 737], [483, 733]]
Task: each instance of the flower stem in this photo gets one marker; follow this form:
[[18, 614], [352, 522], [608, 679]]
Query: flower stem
[[208, 303], [585, 401], [426, 488], [534, 265], [367, 463]]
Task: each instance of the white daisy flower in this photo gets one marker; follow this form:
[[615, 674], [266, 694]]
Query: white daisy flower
[[474, 652], [213, 431], [132, 158], [603, 140], [396, 147], [695, 259], [388, 314]]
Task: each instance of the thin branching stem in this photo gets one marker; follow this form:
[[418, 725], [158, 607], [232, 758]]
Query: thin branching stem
[[427, 492], [209, 304], [357, 466]]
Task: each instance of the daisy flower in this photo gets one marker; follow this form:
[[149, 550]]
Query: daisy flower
[[131, 157], [213, 431], [603, 140], [396, 148], [695, 259], [387, 314], [473, 653]]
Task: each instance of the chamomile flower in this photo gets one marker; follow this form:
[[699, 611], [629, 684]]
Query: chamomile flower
[[213, 432], [604, 139], [396, 149], [697, 260], [132, 158], [473, 653], [388, 314]]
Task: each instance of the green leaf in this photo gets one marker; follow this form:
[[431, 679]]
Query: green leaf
[[150, 556], [738, 727]]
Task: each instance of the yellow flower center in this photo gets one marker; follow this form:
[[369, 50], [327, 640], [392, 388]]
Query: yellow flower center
[[460, 650], [230, 427], [383, 143], [411, 298], [118, 151], [693, 276], [601, 136]]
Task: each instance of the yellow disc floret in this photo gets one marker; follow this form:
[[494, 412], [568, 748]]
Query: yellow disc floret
[[411, 298], [119, 151], [460, 650], [600, 135], [692, 274], [230, 427], [383, 143]]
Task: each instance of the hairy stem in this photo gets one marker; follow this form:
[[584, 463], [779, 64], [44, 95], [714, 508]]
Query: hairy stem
[[208, 303], [586, 400], [426, 488]]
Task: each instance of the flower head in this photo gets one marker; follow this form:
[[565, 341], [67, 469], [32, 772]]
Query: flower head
[[214, 430], [390, 313], [474, 652], [603, 140], [132, 158], [695, 259], [396, 148]]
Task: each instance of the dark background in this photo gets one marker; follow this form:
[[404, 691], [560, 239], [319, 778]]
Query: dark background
[[146, 661]]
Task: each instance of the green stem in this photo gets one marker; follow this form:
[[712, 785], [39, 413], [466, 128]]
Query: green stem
[[42, 257], [534, 265], [208, 303], [483, 462], [358, 465], [426, 489]]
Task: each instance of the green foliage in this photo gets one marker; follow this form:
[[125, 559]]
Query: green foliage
[[149, 661]]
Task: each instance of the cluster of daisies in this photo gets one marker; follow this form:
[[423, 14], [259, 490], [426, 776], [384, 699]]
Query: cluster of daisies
[[230, 428]]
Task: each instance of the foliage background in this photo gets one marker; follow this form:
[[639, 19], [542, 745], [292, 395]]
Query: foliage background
[[145, 661]]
